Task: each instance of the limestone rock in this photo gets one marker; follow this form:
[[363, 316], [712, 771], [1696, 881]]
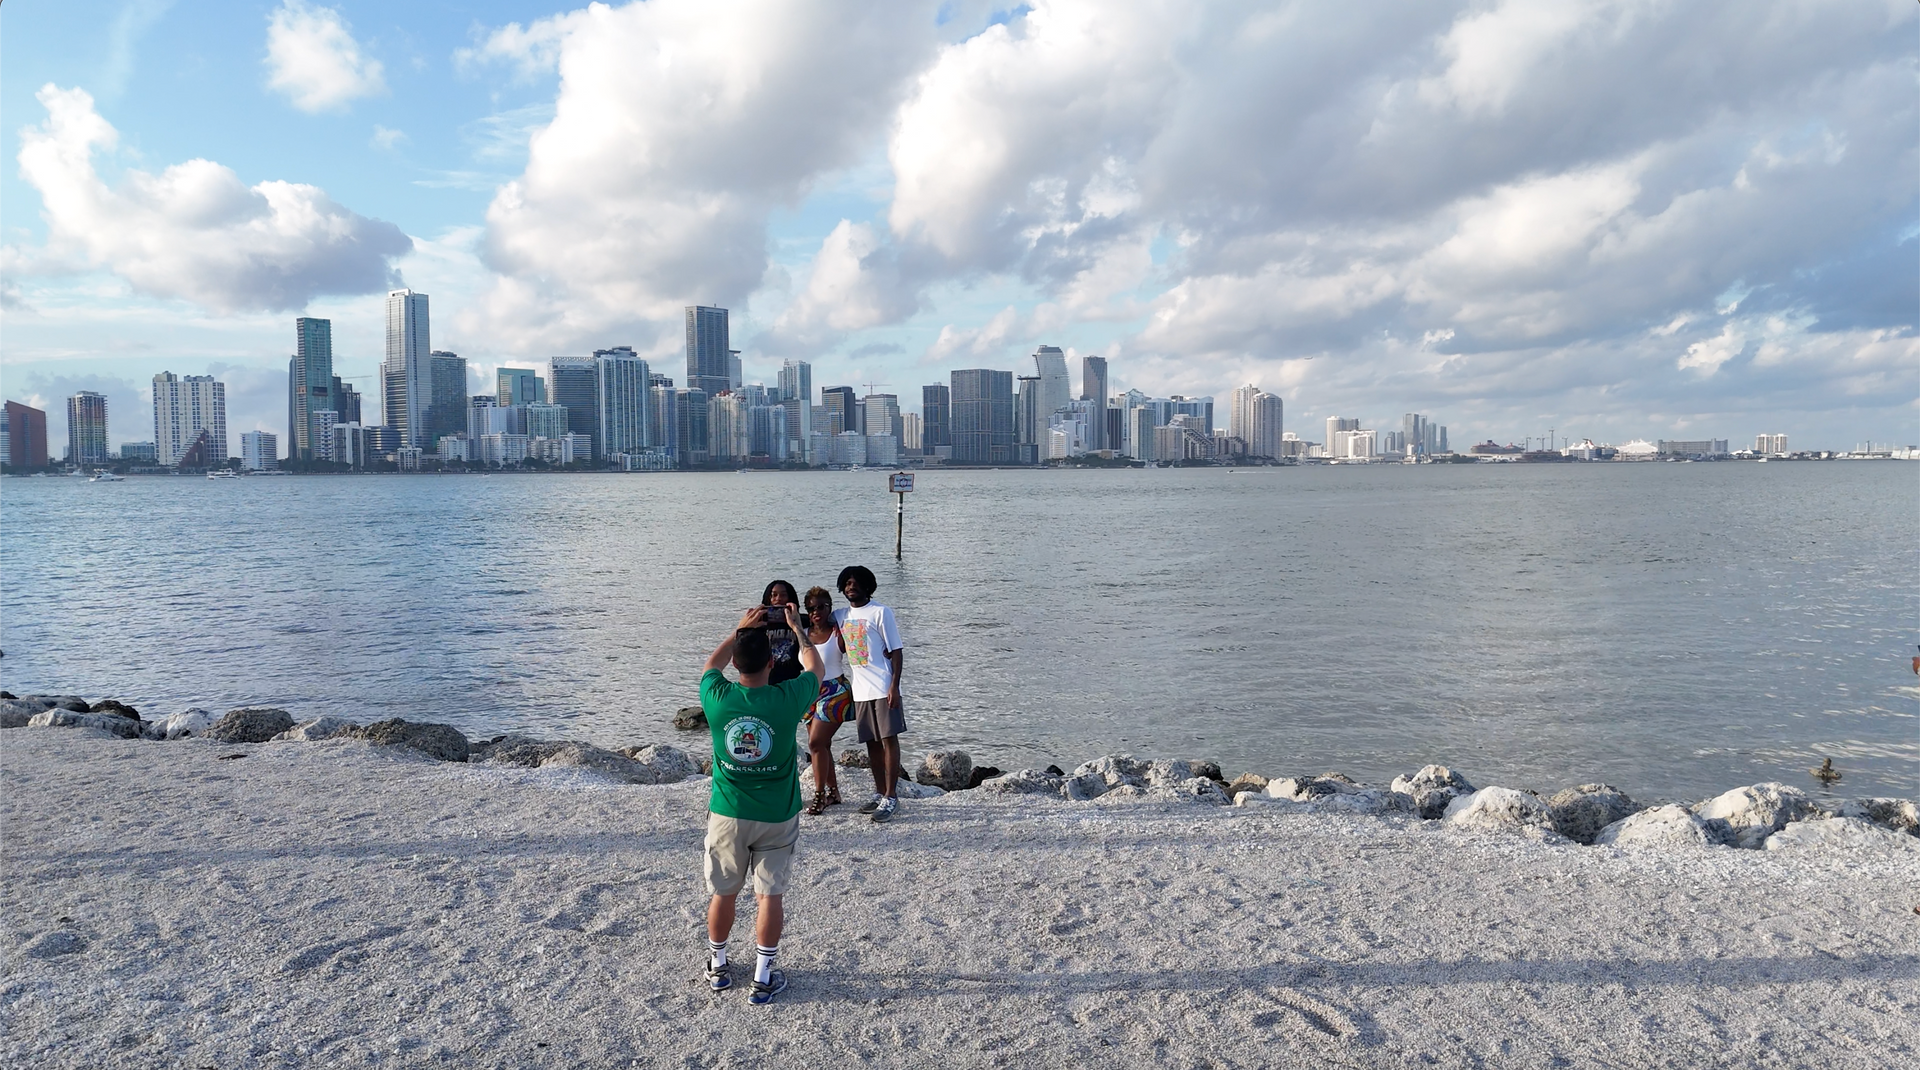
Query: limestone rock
[[907, 789], [60, 717], [1900, 815], [1499, 808], [854, 758], [1193, 789], [441, 741], [689, 718], [1261, 800], [15, 713], [1755, 812], [109, 705], [1023, 782], [73, 703], [1168, 773], [948, 770], [1840, 834], [668, 764], [1124, 791], [252, 724], [1246, 782], [1083, 786], [567, 754], [1580, 813], [192, 721], [983, 773], [1304, 789], [315, 730], [1370, 802], [1115, 770], [1432, 789], [1661, 826]]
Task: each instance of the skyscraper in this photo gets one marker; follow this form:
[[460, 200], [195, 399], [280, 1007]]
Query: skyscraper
[[692, 445], [184, 407], [310, 385], [407, 367], [709, 356], [796, 393], [447, 396], [1050, 364], [520, 386], [982, 416], [1419, 434], [1255, 419], [840, 414], [882, 415], [1029, 418], [260, 451], [623, 385], [572, 382], [87, 428], [346, 401], [935, 406], [1093, 387], [1335, 425], [26, 436]]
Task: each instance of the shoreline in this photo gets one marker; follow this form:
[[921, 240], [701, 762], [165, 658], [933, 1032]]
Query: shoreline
[[293, 904]]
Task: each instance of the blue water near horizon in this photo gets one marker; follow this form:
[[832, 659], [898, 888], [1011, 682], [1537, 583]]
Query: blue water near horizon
[[1671, 629]]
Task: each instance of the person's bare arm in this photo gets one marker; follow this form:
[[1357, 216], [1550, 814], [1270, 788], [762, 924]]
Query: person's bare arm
[[809, 657], [722, 655], [893, 693]]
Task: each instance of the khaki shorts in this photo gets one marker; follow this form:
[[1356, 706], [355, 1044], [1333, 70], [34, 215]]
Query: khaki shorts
[[734, 845], [877, 719]]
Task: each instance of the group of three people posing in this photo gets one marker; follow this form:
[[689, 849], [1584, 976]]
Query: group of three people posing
[[796, 662]]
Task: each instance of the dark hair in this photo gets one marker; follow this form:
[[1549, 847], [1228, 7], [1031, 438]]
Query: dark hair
[[751, 651], [857, 572], [817, 592], [792, 594]]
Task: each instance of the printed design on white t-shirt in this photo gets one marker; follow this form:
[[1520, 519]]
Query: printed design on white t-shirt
[[854, 631], [748, 739]]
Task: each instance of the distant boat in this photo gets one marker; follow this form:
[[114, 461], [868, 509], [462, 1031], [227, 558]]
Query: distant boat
[[107, 477], [223, 473]]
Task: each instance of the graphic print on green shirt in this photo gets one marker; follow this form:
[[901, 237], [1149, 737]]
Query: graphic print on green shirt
[[755, 773]]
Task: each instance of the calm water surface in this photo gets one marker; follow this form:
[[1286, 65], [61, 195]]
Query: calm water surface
[[1671, 629]]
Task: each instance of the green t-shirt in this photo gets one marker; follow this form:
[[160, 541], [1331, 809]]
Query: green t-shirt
[[755, 775]]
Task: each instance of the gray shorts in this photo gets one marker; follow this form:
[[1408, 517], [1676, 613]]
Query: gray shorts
[[735, 845], [878, 719]]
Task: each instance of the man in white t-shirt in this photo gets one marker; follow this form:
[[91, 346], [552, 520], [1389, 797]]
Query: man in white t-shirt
[[872, 642]]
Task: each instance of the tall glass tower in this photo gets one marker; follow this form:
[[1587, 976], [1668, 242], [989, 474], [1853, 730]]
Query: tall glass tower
[[408, 368], [709, 358], [309, 386]]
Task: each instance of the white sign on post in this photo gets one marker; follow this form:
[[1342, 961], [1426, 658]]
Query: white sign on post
[[902, 482]]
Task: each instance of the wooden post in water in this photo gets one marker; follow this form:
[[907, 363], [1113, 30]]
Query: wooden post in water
[[900, 483]]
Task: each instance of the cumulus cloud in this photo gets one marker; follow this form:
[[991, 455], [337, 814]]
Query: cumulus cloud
[[193, 231], [313, 59]]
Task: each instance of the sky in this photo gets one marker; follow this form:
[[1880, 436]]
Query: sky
[[1615, 220]]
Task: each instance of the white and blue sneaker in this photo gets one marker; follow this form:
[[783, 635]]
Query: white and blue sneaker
[[763, 993], [719, 978]]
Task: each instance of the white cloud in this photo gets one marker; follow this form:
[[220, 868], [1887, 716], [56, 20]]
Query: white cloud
[[386, 139], [846, 291], [313, 58], [193, 231]]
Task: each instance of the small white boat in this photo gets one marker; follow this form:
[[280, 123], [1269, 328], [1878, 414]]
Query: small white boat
[[107, 477]]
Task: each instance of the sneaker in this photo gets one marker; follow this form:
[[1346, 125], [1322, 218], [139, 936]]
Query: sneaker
[[764, 993], [719, 978], [885, 811], [872, 804]]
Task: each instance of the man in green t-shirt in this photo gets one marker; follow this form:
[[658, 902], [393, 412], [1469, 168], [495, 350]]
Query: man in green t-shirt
[[754, 811]]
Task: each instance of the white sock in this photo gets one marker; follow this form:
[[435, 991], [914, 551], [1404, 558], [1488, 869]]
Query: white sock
[[763, 969], [719, 950]]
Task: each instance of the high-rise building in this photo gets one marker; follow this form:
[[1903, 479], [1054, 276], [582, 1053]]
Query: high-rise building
[[935, 406], [841, 417], [520, 386], [137, 452], [1335, 425], [1137, 443], [1256, 419], [573, 383], [1030, 420], [729, 438], [733, 369], [26, 436], [796, 381], [182, 408], [692, 443], [447, 396], [663, 420], [1093, 387], [796, 393], [87, 428], [1050, 364], [912, 433], [1770, 445], [310, 386], [544, 420], [409, 353], [623, 387], [346, 401], [982, 416], [882, 414], [709, 353], [767, 434], [260, 450]]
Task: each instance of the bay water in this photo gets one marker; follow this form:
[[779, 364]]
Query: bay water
[[1672, 629]]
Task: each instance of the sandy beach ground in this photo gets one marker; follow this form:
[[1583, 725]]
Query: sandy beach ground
[[339, 904]]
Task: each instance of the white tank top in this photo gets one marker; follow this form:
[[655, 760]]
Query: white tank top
[[832, 658]]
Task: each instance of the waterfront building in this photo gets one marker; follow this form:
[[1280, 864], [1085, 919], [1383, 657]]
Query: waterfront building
[[1337, 424], [408, 370], [324, 421], [520, 386], [545, 421], [623, 387], [1183, 438], [882, 414], [1255, 419], [350, 444], [310, 386], [260, 450], [1138, 440], [1093, 388], [840, 410], [446, 396], [849, 448], [1693, 447], [6, 437], [1770, 445], [498, 451], [982, 416], [184, 406], [883, 450], [408, 458], [1050, 366], [199, 452], [573, 383], [729, 439], [710, 360], [1356, 444], [1059, 444], [663, 420], [935, 405], [733, 377], [1029, 418], [346, 402], [691, 444], [87, 428], [767, 431], [137, 452], [912, 434], [552, 450], [820, 448], [453, 448]]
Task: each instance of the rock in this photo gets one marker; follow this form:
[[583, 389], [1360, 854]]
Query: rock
[[1124, 791], [1900, 815], [689, 718], [7, 696], [1432, 789], [61, 717], [252, 724], [1115, 770], [1193, 789], [1370, 802], [1261, 800], [1840, 834], [907, 789], [1499, 808], [567, 754], [60, 702], [1022, 782], [315, 730], [1303, 789], [1056, 770], [669, 764], [1753, 813], [1210, 770], [948, 770], [1084, 786], [982, 773], [1580, 813], [1661, 826], [56, 943], [441, 741], [108, 705], [1246, 782], [192, 721], [16, 714], [32, 703], [854, 758]]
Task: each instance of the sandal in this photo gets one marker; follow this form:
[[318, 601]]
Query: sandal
[[833, 795], [819, 804]]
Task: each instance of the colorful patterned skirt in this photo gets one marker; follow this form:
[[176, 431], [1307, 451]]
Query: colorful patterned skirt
[[835, 704]]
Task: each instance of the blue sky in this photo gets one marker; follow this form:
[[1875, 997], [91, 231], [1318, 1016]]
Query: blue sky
[[1617, 219]]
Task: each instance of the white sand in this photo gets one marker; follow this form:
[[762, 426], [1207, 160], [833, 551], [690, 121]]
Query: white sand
[[318, 904]]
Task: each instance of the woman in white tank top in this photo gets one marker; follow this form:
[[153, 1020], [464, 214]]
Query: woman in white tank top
[[835, 704]]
